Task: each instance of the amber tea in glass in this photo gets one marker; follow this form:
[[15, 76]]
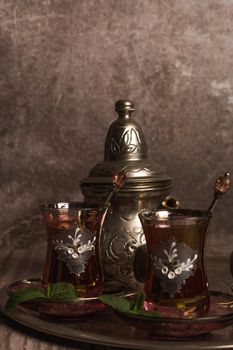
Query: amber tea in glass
[[73, 246], [176, 274]]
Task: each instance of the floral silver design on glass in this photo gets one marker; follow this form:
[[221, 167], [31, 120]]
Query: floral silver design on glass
[[75, 252], [176, 248], [173, 263], [73, 245]]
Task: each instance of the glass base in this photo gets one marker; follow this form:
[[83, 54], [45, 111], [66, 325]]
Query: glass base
[[89, 291], [193, 307]]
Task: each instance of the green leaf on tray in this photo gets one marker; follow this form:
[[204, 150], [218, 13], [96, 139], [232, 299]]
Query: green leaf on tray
[[22, 295], [134, 306], [137, 304], [116, 302], [60, 290]]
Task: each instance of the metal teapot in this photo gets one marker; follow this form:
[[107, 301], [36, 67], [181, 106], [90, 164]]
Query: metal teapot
[[146, 187]]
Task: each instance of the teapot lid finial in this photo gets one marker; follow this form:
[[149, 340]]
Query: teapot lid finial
[[124, 108]]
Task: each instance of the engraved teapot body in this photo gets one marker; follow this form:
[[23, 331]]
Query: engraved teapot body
[[146, 187]]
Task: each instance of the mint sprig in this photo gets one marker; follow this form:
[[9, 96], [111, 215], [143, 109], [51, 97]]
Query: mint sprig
[[137, 304], [60, 290], [23, 295], [134, 306], [115, 302]]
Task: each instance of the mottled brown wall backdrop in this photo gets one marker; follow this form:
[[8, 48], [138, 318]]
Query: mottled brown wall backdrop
[[63, 64]]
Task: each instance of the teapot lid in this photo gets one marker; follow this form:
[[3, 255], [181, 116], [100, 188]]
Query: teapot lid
[[126, 150]]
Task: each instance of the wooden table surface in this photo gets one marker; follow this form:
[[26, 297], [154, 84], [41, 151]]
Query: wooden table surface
[[25, 263]]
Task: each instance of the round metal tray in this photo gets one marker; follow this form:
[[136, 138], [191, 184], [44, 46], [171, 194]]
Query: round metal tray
[[106, 328]]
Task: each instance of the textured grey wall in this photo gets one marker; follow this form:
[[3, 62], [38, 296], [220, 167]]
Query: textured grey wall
[[63, 64]]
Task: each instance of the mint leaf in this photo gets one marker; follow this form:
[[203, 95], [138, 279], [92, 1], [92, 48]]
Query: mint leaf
[[137, 307], [49, 290], [118, 303], [134, 307], [61, 290], [137, 304], [22, 295]]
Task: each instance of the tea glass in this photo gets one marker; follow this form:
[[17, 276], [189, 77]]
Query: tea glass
[[73, 246], [176, 275]]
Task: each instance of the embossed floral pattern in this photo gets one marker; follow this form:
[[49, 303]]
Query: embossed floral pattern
[[129, 142]]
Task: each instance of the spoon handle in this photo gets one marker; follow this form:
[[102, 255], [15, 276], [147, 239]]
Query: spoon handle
[[118, 182], [221, 186]]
